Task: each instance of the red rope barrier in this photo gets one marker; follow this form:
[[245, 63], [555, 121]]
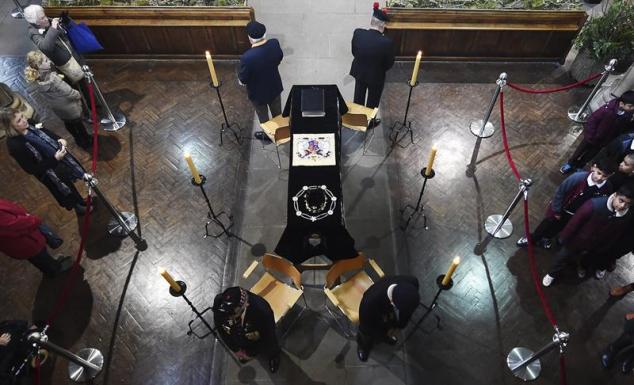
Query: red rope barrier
[[531, 254], [551, 90], [36, 370], [562, 369], [72, 278]]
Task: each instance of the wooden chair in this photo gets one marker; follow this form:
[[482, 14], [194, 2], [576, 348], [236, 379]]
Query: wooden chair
[[278, 130], [346, 295], [280, 295], [358, 118]]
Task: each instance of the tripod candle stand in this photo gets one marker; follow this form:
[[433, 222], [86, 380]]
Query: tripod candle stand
[[403, 128], [233, 127], [443, 285], [419, 209], [213, 217]]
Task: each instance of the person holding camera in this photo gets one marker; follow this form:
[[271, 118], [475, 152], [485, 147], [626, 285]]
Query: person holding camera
[[44, 155], [50, 37]]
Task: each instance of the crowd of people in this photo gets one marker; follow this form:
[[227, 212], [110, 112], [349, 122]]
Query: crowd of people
[[589, 217]]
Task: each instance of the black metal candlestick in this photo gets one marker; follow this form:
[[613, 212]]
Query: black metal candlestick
[[199, 315], [419, 208], [213, 217], [432, 306], [397, 127], [233, 127]]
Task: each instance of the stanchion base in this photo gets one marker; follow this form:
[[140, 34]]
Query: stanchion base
[[115, 228], [180, 293], [492, 223], [575, 116], [476, 126], [119, 121], [529, 372], [78, 373], [399, 131]]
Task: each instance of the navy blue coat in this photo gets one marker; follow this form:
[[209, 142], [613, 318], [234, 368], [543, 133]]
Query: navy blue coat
[[258, 70], [373, 56]]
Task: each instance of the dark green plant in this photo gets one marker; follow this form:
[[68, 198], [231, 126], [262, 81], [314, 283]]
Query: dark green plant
[[611, 35], [488, 4]]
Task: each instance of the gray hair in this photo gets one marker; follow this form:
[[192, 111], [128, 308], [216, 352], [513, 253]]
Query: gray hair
[[253, 41], [32, 12], [377, 24]]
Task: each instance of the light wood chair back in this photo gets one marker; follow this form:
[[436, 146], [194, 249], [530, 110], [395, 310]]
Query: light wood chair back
[[282, 266], [343, 266], [282, 135]]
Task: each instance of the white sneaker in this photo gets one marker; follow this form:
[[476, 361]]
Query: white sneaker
[[581, 272], [599, 274], [548, 280]]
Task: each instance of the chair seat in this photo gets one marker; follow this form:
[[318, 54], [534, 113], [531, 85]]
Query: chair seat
[[270, 126], [279, 295], [349, 294], [358, 117]]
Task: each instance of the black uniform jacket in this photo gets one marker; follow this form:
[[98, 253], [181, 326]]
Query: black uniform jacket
[[376, 313], [373, 56], [256, 335]]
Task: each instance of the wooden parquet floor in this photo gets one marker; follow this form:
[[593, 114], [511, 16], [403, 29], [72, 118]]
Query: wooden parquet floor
[[121, 304]]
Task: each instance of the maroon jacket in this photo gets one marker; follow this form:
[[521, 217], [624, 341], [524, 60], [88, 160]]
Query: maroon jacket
[[20, 236], [605, 124], [594, 227]]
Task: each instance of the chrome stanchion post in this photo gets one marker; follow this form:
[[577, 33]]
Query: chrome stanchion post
[[578, 114], [499, 226], [83, 366], [123, 223], [484, 128], [117, 119], [525, 364]]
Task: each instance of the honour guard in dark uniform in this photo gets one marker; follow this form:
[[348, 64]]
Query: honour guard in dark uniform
[[386, 306], [373, 55], [246, 324]]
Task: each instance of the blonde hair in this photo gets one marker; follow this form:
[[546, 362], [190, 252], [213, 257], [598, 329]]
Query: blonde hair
[[7, 115], [33, 60]]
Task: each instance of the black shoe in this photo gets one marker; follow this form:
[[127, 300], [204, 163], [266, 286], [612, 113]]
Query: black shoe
[[374, 123], [261, 135], [274, 364], [391, 340], [362, 353], [607, 357], [628, 364]]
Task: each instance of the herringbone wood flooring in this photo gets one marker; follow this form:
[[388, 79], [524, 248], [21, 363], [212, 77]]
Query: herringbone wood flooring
[[492, 308]]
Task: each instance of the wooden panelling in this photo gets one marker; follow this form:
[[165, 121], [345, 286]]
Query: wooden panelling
[[484, 34], [165, 31]]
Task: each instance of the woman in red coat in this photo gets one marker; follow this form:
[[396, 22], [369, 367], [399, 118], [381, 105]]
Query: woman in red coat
[[22, 238]]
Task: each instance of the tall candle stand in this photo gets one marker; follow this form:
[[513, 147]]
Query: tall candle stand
[[428, 309], [199, 315], [233, 127], [404, 127], [213, 217], [419, 209]]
